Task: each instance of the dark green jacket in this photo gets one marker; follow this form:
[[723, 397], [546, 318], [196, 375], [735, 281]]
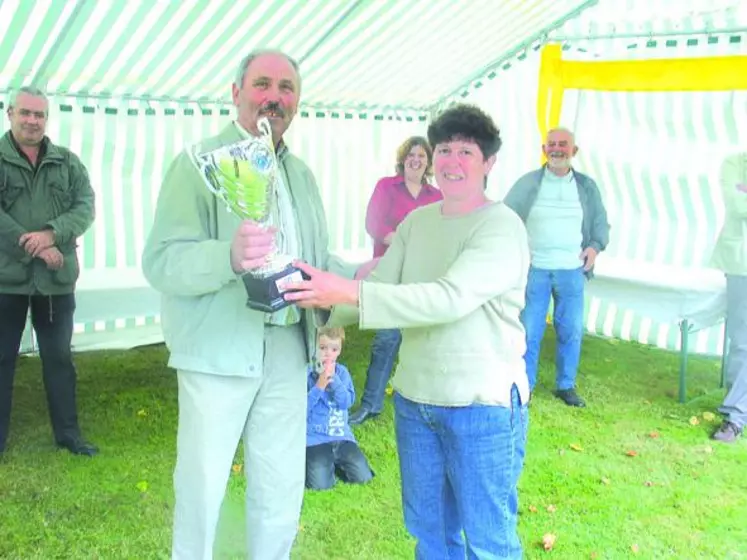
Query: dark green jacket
[[57, 195]]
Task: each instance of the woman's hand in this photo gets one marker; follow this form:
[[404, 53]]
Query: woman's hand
[[366, 268], [322, 289]]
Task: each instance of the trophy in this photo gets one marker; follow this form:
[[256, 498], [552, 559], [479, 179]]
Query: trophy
[[244, 176]]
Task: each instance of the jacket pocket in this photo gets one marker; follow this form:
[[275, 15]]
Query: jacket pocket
[[70, 270], [12, 271], [11, 188], [61, 194]]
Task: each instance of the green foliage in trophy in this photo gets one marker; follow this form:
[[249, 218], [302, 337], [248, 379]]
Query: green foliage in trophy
[[244, 189]]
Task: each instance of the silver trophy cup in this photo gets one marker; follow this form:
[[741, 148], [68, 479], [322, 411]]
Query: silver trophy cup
[[245, 176]]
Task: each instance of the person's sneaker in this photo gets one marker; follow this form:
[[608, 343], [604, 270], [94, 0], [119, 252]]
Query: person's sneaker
[[570, 397], [729, 432]]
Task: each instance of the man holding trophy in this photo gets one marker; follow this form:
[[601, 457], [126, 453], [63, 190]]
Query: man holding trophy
[[232, 214]]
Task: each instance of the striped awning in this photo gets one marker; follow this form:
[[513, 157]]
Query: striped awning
[[354, 54]]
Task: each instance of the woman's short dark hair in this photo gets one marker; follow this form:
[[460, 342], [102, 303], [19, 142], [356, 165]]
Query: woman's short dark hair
[[405, 149], [469, 123]]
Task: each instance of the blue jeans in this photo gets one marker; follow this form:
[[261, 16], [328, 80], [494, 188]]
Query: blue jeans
[[343, 458], [383, 352], [460, 467], [566, 287], [735, 403]]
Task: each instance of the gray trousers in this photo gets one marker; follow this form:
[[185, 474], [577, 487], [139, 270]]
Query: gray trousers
[[735, 403], [269, 412]]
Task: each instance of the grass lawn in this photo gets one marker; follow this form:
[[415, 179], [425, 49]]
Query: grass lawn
[[630, 473]]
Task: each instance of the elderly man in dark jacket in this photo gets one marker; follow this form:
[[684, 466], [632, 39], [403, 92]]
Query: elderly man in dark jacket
[[46, 203]]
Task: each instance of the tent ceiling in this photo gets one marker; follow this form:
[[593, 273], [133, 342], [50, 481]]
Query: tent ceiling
[[356, 54], [611, 19]]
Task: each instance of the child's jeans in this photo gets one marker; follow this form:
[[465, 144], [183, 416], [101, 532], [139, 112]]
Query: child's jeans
[[343, 458]]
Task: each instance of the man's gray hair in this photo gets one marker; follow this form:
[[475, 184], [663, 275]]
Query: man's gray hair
[[563, 129], [247, 60], [28, 90]]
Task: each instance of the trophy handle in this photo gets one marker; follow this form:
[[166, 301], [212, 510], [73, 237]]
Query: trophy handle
[[264, 128]]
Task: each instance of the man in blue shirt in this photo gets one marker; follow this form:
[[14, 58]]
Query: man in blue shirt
[[567, 226]]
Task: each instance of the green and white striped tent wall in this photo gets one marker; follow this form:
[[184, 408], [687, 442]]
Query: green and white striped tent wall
[[656, 157], [127, 152], [162, 57]]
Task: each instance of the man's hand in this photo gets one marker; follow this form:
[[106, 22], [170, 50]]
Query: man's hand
[[322, 289], [34, 242], [250, 246], [52, 257], [388, 238], [588, 255]]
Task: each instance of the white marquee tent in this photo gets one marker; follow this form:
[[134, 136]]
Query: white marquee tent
[[131, 82]]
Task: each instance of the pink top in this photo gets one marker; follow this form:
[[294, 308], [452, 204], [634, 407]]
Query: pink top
[[390, 203]]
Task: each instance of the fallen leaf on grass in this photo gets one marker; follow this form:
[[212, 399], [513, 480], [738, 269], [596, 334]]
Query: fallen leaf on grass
[[709, 416], [605, 481], [634, 548], [649, 483], [653, 435], [548, 541], [142, 486], [694, 421], [551, 508], [576, 447], [631, 453], [708, 449], [533, 509]]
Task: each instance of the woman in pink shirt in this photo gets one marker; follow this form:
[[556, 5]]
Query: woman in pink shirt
[[393, 199]]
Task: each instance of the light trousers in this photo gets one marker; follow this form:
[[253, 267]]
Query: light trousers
[[269, 412]]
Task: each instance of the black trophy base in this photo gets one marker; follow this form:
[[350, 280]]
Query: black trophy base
[[266, 293]]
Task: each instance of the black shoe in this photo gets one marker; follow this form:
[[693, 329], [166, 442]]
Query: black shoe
[[361, 415], [569, 397], [78, 446]]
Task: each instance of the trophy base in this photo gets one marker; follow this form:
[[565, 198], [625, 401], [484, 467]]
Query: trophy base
[[265, 293]]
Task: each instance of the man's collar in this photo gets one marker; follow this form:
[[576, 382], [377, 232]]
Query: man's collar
[[43, 145], [568, 176], [46, 150]]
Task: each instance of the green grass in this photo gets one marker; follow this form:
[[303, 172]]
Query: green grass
[[681, 496]]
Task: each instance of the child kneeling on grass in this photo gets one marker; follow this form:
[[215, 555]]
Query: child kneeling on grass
[[330, 445]]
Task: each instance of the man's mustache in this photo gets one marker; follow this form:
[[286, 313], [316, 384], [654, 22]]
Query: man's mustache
[[272, 107]]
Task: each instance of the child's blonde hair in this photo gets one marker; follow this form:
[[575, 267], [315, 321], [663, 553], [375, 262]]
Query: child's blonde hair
[[335, 333]]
